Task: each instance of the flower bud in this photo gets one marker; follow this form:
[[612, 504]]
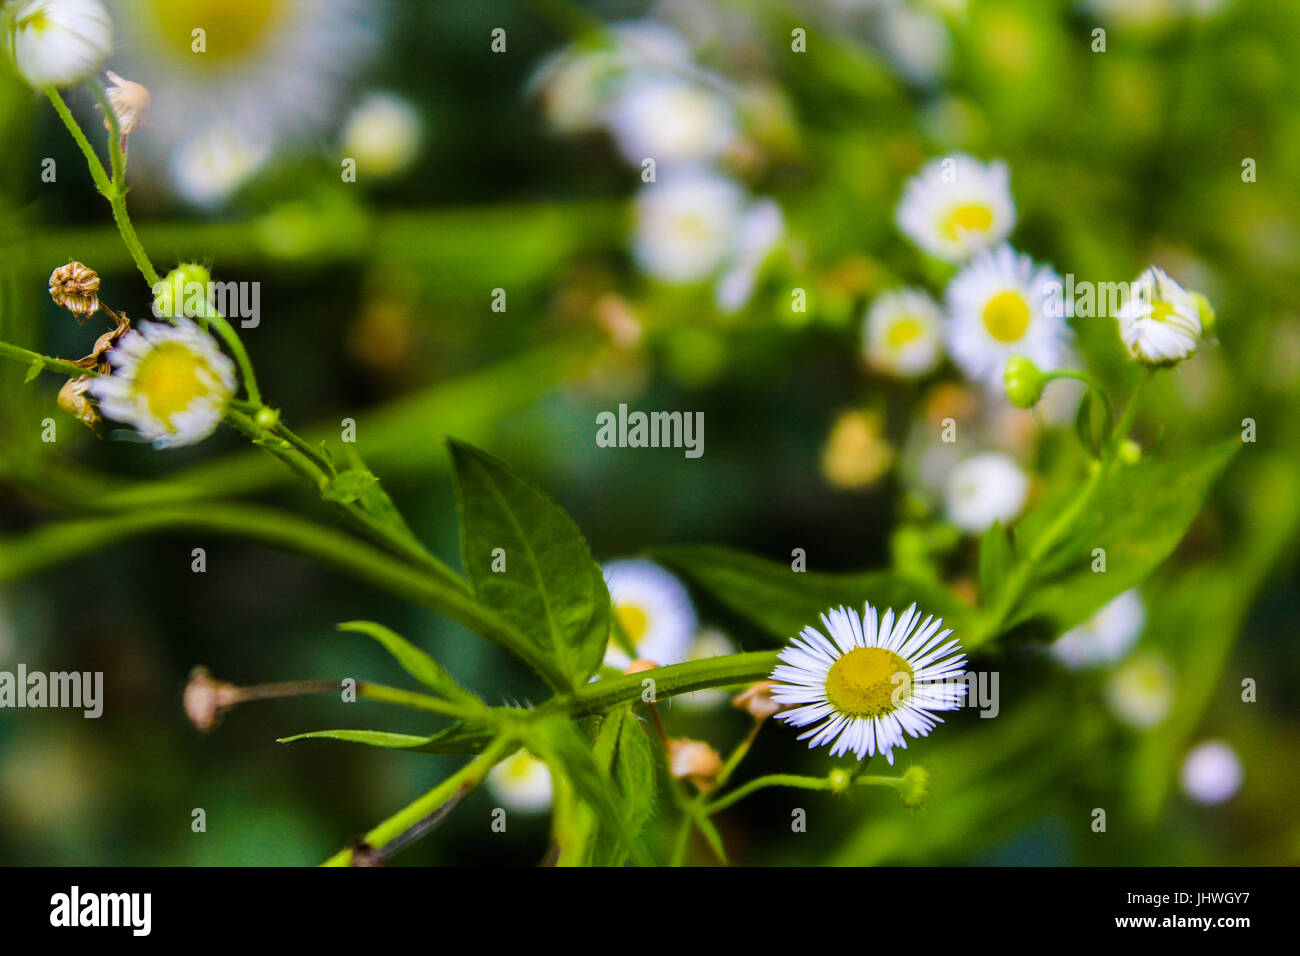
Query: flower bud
[[694, 760], [57, 42], [130, 101], [206, 698], [757, 699], [75, 287], [916, 787], [1130, 452], [184, 292], [1024, 382]]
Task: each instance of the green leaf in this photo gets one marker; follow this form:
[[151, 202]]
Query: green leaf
[[996, 559], [1137, 515], [459, 738], [1092, 423], [782, 602], [546, 584], [348, 486], [414, 661], [559, 742], [33, 372], [624, 752]]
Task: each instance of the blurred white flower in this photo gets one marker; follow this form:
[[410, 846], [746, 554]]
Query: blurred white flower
[[1000, 306], [686, 224], [957, 205], [1106, 637], [985, 488], [57, 42], [522, 782], [903, 333], [382, 133], [758, 234], [169, 382], [216, 162], [1212, 773], [653, 610], [670, 120], [916, 41], [1161, 322], [1142, 691], [273, 72]]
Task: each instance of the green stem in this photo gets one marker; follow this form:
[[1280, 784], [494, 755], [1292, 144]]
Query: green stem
[[97, 172], [237, 350], [1079, 375], [462, 781], [19, 354], [669, 681], [770, 780]]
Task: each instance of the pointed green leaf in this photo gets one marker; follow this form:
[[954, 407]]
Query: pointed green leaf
[[782, 602], [527, 559], [414, 661], [348, 486], [456, 739], [33, 372], [1137, 516]]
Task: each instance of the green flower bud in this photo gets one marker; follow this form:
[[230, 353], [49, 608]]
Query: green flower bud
[[916, 787], [839, 780], [1130, 452], [184, 292], [267, 418], [1024, 382]]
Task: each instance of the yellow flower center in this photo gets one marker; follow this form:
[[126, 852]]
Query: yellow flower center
[[519, 767], [170, 377], [864, 681], [1006, 316], [1161, 311], [972, 217], [634, 621], [231, 28], [904, 332]]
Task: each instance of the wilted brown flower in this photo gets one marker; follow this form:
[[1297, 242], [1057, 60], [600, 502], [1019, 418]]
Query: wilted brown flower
[[73, 400], [75, 287]]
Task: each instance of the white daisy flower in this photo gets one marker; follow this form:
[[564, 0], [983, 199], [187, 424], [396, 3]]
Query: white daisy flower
[[758, 234], [956, 206], [382, 134], [522, 782], [1105, 637], [1212, 773], [1161, 322], [686, 224], [868, 682], [1001, 305], [985, 488], [670, 120], [903, 333], [57, 42], [274, 71], [170, 382], [1142, 691], [207, 169], [654, 611]]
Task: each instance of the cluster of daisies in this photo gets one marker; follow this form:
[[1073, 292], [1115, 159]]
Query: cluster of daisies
[[679, 125]]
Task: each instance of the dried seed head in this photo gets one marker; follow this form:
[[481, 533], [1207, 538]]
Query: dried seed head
[[76, 288], [130, 102], [73, 400], [205, 698]]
